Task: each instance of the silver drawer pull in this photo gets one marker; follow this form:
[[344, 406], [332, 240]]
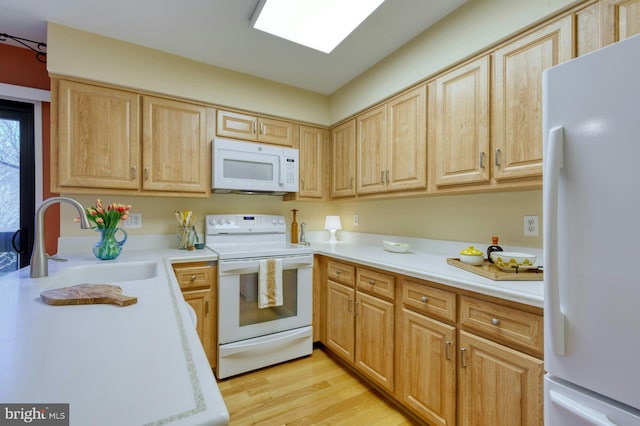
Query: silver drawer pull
[[372, 282], [338, 272], [193, 277], [495, 321], [447, 349], [463, 357], [425, 299]]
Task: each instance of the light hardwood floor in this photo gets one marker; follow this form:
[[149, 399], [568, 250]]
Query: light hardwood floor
[[309, 391]]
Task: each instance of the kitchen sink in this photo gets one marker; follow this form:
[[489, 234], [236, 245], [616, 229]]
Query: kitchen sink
[[104, 274]]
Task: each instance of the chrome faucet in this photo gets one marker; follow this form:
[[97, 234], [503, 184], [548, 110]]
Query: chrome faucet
[[39, 257]]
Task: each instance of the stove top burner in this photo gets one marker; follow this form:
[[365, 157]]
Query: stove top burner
[[242, 236]]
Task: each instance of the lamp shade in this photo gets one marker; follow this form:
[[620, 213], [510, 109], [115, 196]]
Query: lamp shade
[[332, 223]]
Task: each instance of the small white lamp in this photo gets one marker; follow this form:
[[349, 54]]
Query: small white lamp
[[332, 224]]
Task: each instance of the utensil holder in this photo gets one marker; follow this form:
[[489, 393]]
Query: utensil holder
[[186, 237]]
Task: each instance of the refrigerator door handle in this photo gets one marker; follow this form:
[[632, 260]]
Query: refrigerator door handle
[[554, 161], [588, 414]]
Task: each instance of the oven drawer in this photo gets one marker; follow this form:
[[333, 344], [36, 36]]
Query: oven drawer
[[341, 272]]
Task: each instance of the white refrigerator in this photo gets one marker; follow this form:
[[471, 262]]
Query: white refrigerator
[[591, 210]]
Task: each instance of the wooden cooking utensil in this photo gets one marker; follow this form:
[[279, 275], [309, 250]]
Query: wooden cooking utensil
[[87, 294]]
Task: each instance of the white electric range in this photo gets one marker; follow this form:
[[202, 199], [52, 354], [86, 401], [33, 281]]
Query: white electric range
[[250, 337]]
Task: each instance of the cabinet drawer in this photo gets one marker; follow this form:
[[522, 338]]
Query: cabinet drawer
[[376, 283], [430, 301], [510, 326], [341, 272], [193, 277]]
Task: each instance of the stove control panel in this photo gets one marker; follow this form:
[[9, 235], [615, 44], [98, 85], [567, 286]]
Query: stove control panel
[[245, 224]]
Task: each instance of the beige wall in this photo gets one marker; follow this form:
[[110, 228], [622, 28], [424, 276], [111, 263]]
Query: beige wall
[[469, 29], [76, 53], [475, 25]]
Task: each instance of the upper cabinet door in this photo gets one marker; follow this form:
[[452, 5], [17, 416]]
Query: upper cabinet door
[[461, 110], [407, 140], [275, 131], [627, 13], [311, 162], [343, 155], [235, 125], [175, 145], [372, 143], [98, 137], [516, 127]]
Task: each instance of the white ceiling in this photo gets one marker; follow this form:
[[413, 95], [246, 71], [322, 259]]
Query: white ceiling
[[217, 32]]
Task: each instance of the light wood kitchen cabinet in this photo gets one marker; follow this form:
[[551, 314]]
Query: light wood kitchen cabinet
[[498, 385], [627, 13], [121, 142], [254, 128], [392, 144], [360, 326], [407, 140], [175, 146], [340, 320], [460, 110], [197, 281], [450, 356], [516, 99], [343, 159], [426, 380], [594, 27], [371, 150], [312, 147], [98, 137]]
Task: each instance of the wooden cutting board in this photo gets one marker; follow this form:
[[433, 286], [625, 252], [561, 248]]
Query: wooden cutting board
[[87, 294], [491, 271]]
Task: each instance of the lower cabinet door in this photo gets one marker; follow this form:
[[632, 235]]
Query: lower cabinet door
[[200, 301], [499, 386], [375, 340], [340, 320], [427, 376]]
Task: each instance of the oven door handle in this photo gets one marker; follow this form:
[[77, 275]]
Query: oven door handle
[[251, 266]]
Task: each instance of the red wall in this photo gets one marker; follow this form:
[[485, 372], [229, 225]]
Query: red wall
[[18, 66]]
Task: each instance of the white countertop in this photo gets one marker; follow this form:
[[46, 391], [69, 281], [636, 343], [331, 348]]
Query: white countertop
[[134, 365], [427, 259]]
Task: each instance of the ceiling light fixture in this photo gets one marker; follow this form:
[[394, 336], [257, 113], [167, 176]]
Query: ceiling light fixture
[[318, 24]]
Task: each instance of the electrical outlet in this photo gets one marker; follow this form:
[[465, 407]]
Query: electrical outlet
[[356, 219], [133, 221], [531, 226]]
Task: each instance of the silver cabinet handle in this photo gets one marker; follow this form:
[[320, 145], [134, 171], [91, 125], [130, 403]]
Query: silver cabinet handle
[[356, 308], [498, 157], [447, 349], [262, 128], [193, 277], [482, 160], [387, 176], [351, 183], [146, 173], [463, 357], [254, 127], [495, 321], [382, 176], [206, 307], [302, 183], [425, 299], [350, 305], [372, 282], [134, 172], [338, 272]]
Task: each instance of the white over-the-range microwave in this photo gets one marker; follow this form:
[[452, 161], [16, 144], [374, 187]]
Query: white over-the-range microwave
[[253, 168]]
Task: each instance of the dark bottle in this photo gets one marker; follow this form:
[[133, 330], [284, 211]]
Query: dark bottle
[[492, 248]]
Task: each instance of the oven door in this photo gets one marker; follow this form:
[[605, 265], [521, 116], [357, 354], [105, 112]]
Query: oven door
[[240, 317]]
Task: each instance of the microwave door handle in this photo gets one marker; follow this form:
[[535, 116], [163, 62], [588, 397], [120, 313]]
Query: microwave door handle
[[282, 169]]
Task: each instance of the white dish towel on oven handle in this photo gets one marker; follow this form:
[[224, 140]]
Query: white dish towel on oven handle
[[270, 283]]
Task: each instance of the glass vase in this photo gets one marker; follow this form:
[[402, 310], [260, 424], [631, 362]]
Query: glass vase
[[186, 237], [108, 247]]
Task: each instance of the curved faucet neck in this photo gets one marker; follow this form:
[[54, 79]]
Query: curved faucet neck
[[39, 257]]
